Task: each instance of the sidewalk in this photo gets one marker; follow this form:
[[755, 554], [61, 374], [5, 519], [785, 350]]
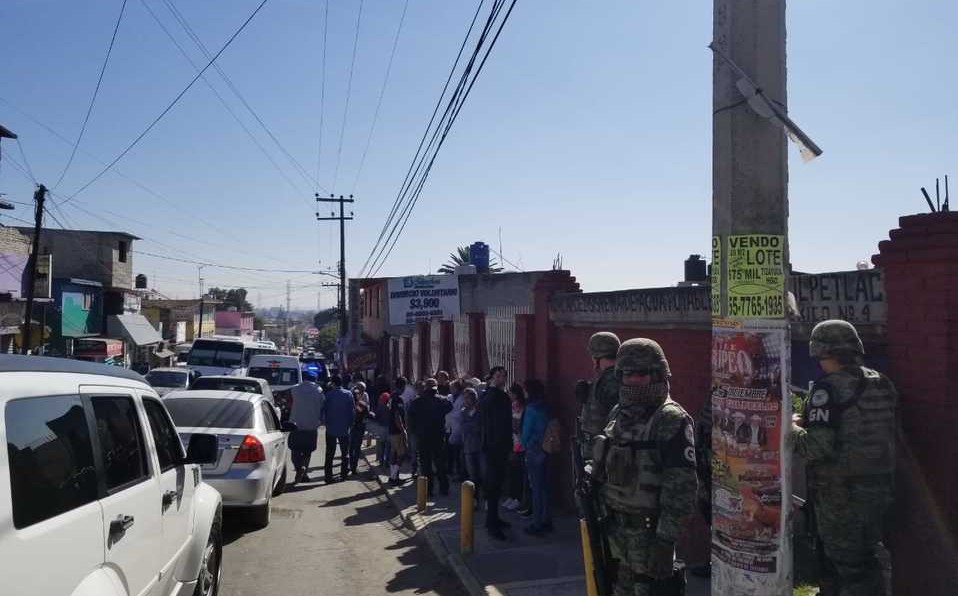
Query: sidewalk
[[521, 566]]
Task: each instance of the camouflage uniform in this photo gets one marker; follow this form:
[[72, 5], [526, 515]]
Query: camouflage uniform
[[646, 466], [603, 391], [848, 441]]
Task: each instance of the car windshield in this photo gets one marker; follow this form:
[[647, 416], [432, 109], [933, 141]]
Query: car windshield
[[216, 353], [215, 413], [166, 378], [275, 376], [227, 385], [250, 352]]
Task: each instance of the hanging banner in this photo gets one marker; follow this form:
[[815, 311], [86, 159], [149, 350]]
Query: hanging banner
[[756, 276], [422, 298], [751, 551]]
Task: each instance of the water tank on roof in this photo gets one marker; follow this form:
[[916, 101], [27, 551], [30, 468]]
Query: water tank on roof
[[140, 282], [695, 269], [479, 256]]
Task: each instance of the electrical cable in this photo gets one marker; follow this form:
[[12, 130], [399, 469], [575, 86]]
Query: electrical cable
[[26, 163], [349, 88], [379, 102], [322, 93], [96, 92], [220, 266], [170, 106]]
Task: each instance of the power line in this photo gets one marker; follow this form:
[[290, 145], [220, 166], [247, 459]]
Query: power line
[[220, 266], [382, 92], [310, 181], [425, 134], [322, 93], [170, 106], [297, 191], [26, 163], [96, 91], [349, 88]]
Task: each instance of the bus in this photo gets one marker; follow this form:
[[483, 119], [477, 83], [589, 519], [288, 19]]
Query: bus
[[225, 355]]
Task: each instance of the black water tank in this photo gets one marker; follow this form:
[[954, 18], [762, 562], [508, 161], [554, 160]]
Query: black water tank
[[695, 269], [140, 281]]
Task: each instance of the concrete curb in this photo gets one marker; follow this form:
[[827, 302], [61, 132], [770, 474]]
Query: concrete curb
[[451, 559]]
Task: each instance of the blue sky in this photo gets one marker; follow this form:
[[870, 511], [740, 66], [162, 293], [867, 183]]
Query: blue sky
[[588, 134]]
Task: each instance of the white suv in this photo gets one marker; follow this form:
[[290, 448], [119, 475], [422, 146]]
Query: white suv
[[97, 497]]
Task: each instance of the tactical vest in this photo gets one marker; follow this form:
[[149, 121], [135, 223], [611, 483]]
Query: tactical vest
[[633, 474], [595, 414], [865, 438]]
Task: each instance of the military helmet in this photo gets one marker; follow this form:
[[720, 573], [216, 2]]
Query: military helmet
[[604, 345], [641, 354], [833, 337]]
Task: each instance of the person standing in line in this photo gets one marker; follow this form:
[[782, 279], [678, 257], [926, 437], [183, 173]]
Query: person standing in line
[[533, 432], [442, 384], [495, 409], [358, 429], [338, 413], [428, 416], [847, 437], [398, 434], [454, 464], [306, 413], [517, 493], [472, 439]]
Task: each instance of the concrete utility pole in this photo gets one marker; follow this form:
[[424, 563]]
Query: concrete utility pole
[[199, 276], [342, 218], [39, 196], [286, 318], [751, 488]]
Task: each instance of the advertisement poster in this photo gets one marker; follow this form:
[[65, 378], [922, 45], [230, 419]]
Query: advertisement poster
[[716, 281], [749, 547], [756, 276], [422, 298]]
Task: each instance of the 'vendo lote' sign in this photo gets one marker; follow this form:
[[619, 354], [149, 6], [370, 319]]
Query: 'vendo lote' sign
[[421, 298]]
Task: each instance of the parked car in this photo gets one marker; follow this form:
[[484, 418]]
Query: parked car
[[282, 373], [231, 383], [166, 379], [97, 497], [250, 467]]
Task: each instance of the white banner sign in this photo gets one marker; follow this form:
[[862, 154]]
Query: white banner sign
[[422, 298]]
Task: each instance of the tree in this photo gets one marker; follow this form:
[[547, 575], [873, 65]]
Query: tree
[[324, 317], [234, 298], [325, 341], [461, 257]]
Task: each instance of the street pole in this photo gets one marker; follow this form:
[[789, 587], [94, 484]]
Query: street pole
[[749, 268], [39, 196], [342, 218], [199, 275], [286, 318]]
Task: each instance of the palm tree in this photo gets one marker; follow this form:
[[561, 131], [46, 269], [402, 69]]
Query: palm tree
[[461, 257]]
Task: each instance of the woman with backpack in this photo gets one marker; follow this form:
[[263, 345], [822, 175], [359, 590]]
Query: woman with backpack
[[534, 424]]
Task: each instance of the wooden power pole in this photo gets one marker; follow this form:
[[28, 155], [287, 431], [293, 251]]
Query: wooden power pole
[[39, 197]]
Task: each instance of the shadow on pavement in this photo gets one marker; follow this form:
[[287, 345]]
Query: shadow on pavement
[[235, 525], [421, 572]]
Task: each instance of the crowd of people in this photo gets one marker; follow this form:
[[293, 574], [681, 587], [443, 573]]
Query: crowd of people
[[445, 429]]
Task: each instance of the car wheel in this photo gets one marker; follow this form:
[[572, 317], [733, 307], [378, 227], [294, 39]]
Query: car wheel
[[281, 485], [211, 566], [259, 516]]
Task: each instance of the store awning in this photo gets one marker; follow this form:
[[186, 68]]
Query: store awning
[[136, 328]]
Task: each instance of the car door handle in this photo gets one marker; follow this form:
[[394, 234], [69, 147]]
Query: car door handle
[[168, 497], [121, 524]]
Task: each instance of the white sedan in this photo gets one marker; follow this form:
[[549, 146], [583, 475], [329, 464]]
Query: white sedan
[[250, 466]]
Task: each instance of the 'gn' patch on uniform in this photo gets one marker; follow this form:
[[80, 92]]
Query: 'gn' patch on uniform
[[819, 398], [689, 433], [690, 454], [818, 415]]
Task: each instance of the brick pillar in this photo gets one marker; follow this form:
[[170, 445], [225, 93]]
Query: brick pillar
[[544, 330], [920, 263], [424, 336], [407, 369], [525, 347]]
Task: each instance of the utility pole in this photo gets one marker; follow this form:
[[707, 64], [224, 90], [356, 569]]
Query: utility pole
[[39, 197], [750, 262], [199, 275], [342, 218], [286, 318]]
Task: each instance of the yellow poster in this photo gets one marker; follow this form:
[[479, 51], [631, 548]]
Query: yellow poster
[[756, 276], [716, 276]]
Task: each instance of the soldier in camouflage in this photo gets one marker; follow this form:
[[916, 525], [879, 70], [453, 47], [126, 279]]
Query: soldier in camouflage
[[645, 462], [603, 391], [847, 437]]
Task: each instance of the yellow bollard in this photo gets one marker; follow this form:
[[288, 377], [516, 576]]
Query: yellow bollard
[[466, 508], [587, 560], [422, 490]]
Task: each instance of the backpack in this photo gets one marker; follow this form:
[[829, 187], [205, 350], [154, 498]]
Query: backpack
[[552, 439]]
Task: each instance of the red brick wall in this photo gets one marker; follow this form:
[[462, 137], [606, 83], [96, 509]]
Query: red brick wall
[[920, 262]]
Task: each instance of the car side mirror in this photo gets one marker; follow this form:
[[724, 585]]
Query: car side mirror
[[202, 449], [288, 427]]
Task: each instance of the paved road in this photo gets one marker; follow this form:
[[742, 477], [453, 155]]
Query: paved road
[[343, 539]]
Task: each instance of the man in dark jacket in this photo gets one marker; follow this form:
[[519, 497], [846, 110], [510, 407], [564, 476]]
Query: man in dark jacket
[[338, 413], [495, 411], [428, 416]]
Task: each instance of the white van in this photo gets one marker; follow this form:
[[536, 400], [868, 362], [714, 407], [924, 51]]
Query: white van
[[281, 372], [97, 497]]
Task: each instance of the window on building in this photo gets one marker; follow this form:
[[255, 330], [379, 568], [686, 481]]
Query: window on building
[[51, 458], [123, 251]]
